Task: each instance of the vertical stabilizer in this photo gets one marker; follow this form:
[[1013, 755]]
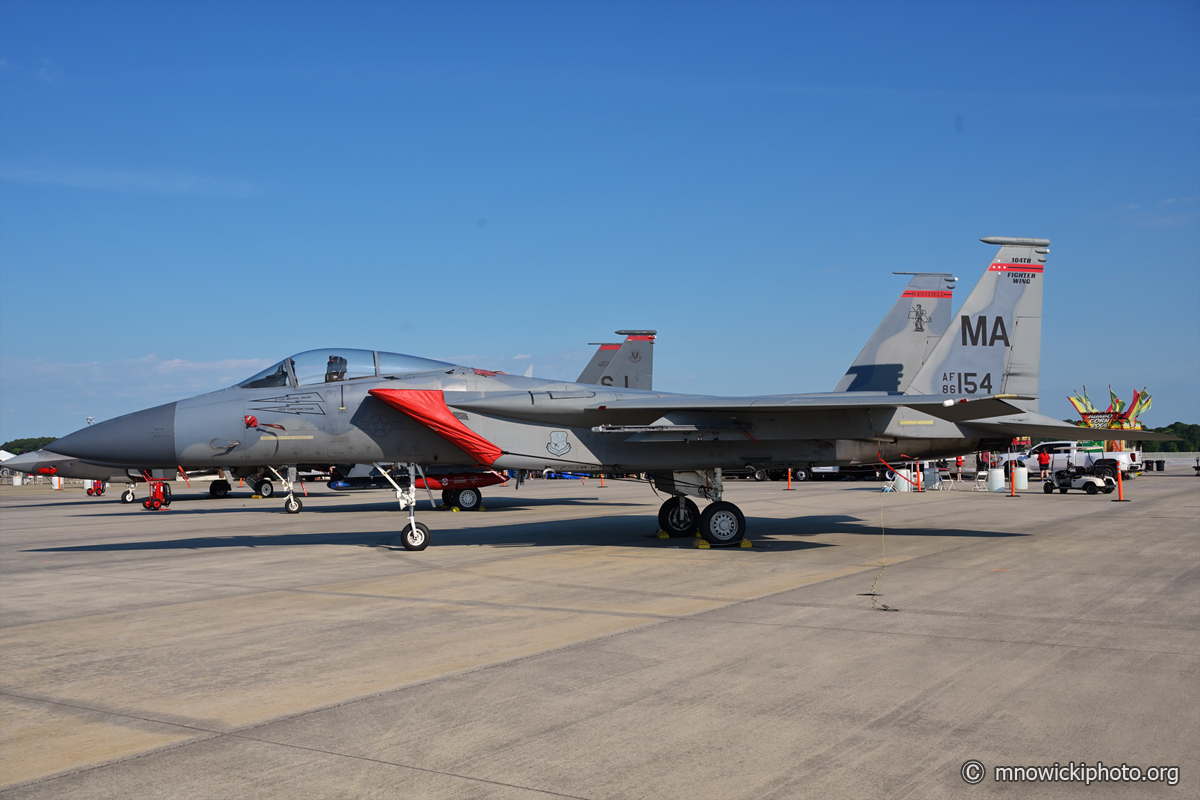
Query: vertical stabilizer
[[633, 365], [993, 346], [915, 323], [600, 361]]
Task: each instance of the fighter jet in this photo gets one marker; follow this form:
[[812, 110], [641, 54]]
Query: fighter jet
[[977, 389]]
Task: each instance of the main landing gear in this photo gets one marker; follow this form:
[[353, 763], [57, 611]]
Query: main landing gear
[[219, 488], [719, 523], [468, 499]]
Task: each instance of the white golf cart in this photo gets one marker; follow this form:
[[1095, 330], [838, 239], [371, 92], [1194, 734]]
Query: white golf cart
[[1079, 478]]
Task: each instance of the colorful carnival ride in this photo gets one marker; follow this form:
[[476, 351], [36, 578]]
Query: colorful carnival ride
[[1117, 415]]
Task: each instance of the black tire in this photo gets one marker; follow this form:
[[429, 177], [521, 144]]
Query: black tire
[[1091, 488], [760, 474], [146, 504], [1106, 472], [218, 489], [415, 540], [676, 521], [447, 497], [468, 499], [1109, 490], [155, 504], [166, 501], [127, 496], [722, 523], [1062, 491], [799, 475], [292, 505], [265, 488], [1048, 488]]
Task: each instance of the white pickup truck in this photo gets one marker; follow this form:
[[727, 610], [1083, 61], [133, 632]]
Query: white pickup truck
[[1089, 455]]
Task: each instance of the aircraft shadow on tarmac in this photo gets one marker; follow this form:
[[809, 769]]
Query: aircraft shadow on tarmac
[[273, 505], [607, 530], [841, 523]]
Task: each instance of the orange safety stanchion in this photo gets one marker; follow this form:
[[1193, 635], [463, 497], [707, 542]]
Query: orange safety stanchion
[[789, 480], [1120, 488]]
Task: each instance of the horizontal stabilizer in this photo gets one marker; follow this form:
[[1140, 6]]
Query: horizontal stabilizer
[[963, 409], [1043, 427]]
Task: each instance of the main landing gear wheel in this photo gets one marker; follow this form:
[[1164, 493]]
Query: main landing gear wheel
[[447, 498], [265, 489], [676, 521], [467, 499], [415, 537], [292, 505], [127, 496], [722, 523], [218, 489]]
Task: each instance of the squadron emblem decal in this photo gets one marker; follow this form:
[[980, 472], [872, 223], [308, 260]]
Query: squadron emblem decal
[[635, 356], [559, 446], [919, 316]]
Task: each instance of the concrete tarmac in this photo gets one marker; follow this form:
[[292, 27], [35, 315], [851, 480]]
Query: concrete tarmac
[[549, 648]]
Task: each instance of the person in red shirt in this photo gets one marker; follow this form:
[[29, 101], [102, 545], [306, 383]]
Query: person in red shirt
[[958, 465], [1044, 463]]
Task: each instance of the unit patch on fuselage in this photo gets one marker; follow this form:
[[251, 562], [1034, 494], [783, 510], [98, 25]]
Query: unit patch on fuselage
[[559, 446]]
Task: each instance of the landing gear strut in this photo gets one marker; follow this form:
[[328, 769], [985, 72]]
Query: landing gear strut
[[291, 504], [414, 535]]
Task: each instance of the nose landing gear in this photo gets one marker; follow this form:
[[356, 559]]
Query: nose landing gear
[[291, 504], [414, 535]]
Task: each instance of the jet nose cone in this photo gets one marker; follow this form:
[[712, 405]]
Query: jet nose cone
[[31, 462], [141, 439]]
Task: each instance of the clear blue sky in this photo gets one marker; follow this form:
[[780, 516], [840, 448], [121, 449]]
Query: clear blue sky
[[188, 191]]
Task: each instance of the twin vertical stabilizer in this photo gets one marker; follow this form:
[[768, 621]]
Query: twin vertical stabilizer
[[993, 346]]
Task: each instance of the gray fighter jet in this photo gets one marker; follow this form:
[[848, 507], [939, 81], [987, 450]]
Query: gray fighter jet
[[977, 389]]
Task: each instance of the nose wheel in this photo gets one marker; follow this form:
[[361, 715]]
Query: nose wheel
[[415, 536]]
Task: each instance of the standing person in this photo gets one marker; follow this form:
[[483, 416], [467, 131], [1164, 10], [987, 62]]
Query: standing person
[[958, 468], [1044, 463]]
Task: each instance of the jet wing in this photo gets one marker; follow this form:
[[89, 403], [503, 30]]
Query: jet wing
[[951, 410]]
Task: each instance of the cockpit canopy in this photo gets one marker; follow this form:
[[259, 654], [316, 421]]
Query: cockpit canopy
[[334, 366]]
